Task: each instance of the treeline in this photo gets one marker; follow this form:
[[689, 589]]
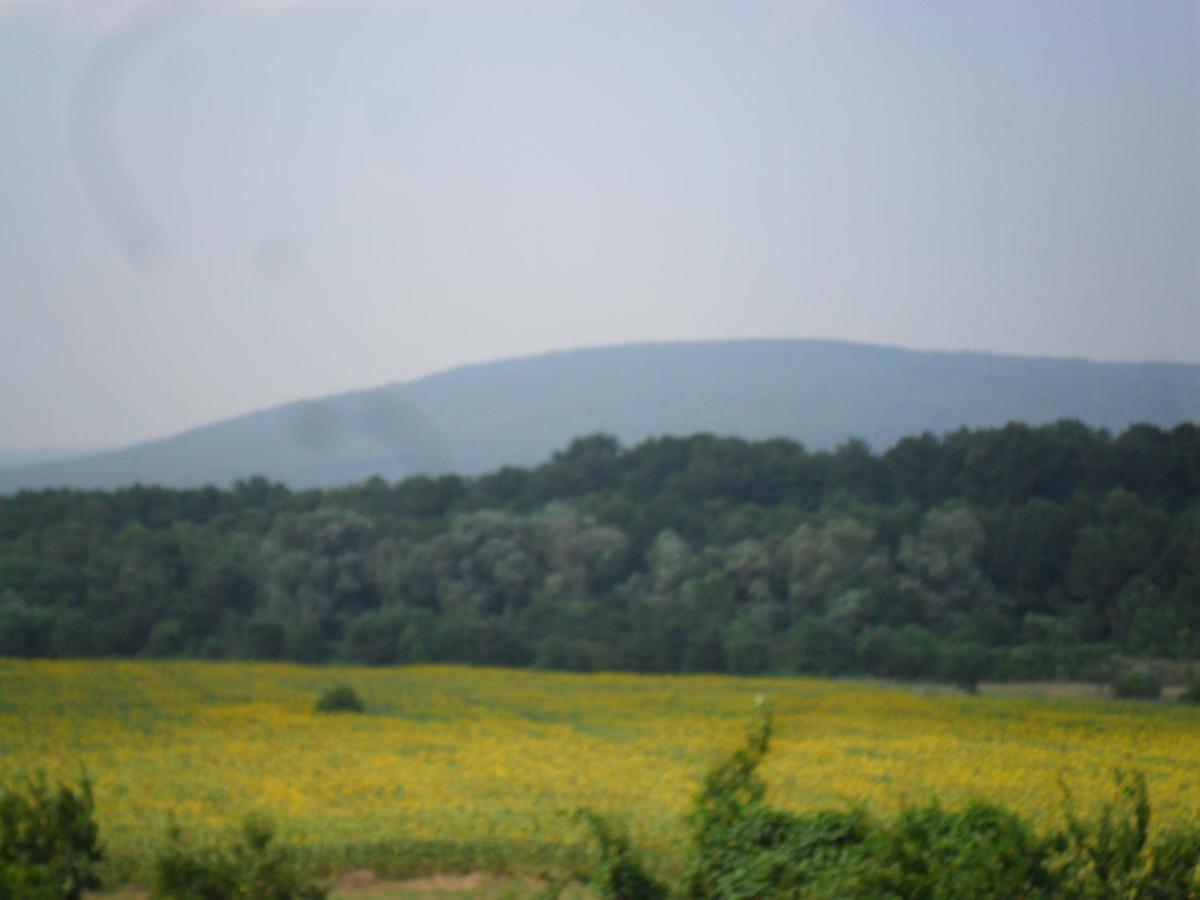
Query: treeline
[[1019, 552]]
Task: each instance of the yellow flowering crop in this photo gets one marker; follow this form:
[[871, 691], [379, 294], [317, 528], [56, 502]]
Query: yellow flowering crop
[[459, 766]]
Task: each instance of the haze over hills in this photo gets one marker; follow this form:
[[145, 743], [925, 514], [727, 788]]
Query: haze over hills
[[39, 455], [517, 412]]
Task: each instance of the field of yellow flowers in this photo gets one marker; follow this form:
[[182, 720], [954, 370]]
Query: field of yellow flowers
[[481, 768]]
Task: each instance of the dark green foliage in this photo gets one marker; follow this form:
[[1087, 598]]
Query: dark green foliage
[[965, 665], [618, 872], [167, 639], [340, 699], [263, 637], [1138, 684], [253, 867], [1014, 553], [733, 785], [767, 852], [1191, 693], [23, 631], [1114, 857], [742, 848], [49, 842], [979, 851]]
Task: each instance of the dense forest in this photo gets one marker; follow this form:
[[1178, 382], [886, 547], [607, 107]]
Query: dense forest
[[1018, 552]]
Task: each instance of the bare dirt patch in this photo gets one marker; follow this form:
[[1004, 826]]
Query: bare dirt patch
[[365, 885], [1066, 690], [1060, 690]]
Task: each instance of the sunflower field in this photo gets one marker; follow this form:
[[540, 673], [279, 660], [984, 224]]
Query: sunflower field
[[465, 768]]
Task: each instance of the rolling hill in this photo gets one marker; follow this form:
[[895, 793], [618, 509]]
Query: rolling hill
[[517, 412]]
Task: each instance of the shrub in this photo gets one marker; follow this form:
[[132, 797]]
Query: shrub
[[741, 848], [49, 847], [618, 873], [965, 665], [340, 699], [1138, 684], [1113, 856], [769, 852], [254, 868], [979, 851], [1191, 694]]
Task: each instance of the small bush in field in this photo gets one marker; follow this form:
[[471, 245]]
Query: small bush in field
[[340, 699], [1191, 694], [1138, 684], [49, 842], [254, 868]]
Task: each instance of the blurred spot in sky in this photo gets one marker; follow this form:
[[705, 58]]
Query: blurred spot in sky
[[278, 259], [111, 188]]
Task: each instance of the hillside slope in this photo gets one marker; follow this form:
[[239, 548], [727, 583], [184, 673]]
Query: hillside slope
[[517, 412]]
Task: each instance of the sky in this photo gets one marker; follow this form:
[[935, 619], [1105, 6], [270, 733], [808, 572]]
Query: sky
[[208, 208]]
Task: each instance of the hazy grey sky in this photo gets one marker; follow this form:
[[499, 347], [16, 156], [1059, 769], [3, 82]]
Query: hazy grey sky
[[213, 207]]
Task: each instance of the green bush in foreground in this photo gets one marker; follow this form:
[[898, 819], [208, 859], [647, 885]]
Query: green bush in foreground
[[340, 699], [49, 842], [619, 873], [743, 848], [254, 868], [1114, 856], [982, 850]]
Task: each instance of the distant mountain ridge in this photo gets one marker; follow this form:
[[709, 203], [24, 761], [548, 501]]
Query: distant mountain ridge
[[483, 416]]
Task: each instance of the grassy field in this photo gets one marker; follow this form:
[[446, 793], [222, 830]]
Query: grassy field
[[477, 769]]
